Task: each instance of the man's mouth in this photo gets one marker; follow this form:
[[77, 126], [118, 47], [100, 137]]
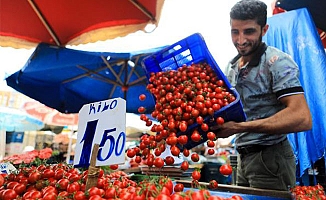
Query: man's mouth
[[242, 46]]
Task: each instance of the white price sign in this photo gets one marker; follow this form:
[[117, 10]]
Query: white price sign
[[7, 168], [102, 123]]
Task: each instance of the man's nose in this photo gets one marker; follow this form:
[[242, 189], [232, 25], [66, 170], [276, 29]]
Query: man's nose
[[241, 39]]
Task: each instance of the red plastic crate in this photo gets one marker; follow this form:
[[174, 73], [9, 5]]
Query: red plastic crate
[[193, 49]]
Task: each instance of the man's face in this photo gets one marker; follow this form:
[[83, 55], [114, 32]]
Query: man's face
[[246, 35]]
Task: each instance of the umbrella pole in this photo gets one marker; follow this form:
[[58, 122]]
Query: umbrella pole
[[70, 134], [2, 144], [125, 80]]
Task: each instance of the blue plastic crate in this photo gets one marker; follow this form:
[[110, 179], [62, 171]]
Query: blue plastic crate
[[193, 49]]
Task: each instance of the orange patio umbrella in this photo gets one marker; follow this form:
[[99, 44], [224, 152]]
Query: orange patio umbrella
[[24, 24]]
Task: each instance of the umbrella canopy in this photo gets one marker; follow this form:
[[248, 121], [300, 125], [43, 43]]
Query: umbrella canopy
[[24, 24], [49, 115], [66, 79], [14, 120]]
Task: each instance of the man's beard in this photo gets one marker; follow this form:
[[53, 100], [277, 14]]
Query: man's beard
[[254, 47]]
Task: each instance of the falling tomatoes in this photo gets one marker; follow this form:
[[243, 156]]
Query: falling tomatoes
[[226, 169], [142, 97]]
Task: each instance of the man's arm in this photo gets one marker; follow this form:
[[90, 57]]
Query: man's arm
[[295, 117]]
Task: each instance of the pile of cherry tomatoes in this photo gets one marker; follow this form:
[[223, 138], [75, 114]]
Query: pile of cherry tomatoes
[[309, 192], [60, 181], [29, 157]]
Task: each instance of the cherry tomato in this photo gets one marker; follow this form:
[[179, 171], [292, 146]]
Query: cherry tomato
[[95, 197], [131, 153], [50, 196], [175, 150], [195, 157], [94, 191], [204, 127], [219, 120], [142, 97], [2, 180], [186, 152], [226, 169], [196, 174], [114, 167], [62, 184], [167, 182], [141, 109], [19, 188], [211, 136], [195, 136], [9, 194], [80, 195], [236, 197], [73, 187], [110, 192], [183, 139], [34, 176], [158, 162], [183, 127], [179, 187], [48, 173], [213, 184], [169, 160], [200, 120], [210, 151], [162, 196], [137, 159], [177, 196], [210, 143], [197, 195], [184, 165], [12, 184]]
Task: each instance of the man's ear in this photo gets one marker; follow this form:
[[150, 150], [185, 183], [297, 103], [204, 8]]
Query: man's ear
[[264, 30]]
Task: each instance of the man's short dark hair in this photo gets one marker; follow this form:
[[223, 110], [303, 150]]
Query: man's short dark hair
[[250, 10]]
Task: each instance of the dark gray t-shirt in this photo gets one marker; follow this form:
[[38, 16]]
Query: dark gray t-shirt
[[271, 75]]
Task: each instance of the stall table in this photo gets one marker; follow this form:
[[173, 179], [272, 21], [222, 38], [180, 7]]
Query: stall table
[[246, 193]]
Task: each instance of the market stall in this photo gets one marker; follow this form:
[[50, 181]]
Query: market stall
[[102, 138], [15, 122]]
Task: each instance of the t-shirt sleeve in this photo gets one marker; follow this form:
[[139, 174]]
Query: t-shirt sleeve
[[285, 74]]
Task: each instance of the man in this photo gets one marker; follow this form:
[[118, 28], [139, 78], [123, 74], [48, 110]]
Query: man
[[267, 81]]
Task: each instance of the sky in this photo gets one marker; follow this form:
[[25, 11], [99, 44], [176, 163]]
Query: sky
[[179, 19]]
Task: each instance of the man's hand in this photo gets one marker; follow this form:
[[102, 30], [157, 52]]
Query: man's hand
[[225, 130]]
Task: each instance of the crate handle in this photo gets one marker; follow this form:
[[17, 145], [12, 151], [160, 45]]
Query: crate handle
[[168, 52]]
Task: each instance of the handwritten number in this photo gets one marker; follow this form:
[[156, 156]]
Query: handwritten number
[[106, 137], [88, 141], [123, 135]]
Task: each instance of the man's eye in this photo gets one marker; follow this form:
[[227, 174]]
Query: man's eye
[[250, 31]]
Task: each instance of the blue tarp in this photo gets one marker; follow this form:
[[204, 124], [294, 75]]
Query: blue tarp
[[295, 33]]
